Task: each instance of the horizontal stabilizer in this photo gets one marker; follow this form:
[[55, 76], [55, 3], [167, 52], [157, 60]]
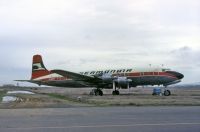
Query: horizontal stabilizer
[[31, 81], [22, 80]]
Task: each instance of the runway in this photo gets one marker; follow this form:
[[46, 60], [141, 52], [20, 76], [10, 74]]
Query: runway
[[102, 119]]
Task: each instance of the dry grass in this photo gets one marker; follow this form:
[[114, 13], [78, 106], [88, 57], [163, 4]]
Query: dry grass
[[2, 93], [64, 97], [144, 100], [143, 97]]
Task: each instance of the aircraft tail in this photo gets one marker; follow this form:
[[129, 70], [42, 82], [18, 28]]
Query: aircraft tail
[[38, 68]]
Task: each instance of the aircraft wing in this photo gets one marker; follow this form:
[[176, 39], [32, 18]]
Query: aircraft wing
[[76, 76]]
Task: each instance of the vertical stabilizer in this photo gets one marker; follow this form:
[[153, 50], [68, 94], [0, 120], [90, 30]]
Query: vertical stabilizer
[[38, 68]]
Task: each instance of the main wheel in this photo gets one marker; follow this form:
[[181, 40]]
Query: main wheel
[[167, 93], [113, 93], [116, 92], [92, 92], [98, 92]]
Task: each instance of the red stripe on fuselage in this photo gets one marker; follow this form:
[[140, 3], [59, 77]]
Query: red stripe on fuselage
[[142, 74], [39, 73]]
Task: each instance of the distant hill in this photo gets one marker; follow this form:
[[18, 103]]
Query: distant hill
[[188, 85]]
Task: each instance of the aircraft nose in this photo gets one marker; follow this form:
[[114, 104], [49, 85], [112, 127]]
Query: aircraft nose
[[177, 74]]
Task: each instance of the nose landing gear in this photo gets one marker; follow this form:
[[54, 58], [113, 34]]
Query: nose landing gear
[[167, 92]]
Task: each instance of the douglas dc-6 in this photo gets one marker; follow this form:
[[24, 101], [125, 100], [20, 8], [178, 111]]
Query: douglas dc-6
[[110, 79]]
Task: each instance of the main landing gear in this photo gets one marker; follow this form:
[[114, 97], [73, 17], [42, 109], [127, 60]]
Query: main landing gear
[[115, 91], [96, 92]]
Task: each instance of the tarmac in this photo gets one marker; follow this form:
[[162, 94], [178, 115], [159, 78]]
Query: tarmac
[[102, 119]]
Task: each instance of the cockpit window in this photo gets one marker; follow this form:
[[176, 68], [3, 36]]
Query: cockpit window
[[165, 70]]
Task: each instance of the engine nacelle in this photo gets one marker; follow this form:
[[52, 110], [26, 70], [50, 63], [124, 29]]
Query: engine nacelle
[[107, 78], [122, 82]]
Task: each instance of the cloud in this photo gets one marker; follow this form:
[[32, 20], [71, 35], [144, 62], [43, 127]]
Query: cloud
[[186, 57], [82, 35]]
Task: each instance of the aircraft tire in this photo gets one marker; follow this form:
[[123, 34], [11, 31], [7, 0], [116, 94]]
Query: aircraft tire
[[116, 92], [95, 92], [92, 92], [167, 93], [98, 92]]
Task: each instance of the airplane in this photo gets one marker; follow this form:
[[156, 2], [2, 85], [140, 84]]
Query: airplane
[[107, 79]]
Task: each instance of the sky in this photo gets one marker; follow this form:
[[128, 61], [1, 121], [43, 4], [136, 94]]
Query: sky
[[81, 35]]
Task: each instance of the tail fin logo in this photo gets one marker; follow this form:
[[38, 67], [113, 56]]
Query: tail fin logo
[[38, 66], [38, 63]]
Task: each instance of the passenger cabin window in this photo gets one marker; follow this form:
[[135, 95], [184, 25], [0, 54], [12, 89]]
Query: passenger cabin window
[[142, 73], [155, 73], [165, 70]]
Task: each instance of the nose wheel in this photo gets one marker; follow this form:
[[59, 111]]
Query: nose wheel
[[167, 93]]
